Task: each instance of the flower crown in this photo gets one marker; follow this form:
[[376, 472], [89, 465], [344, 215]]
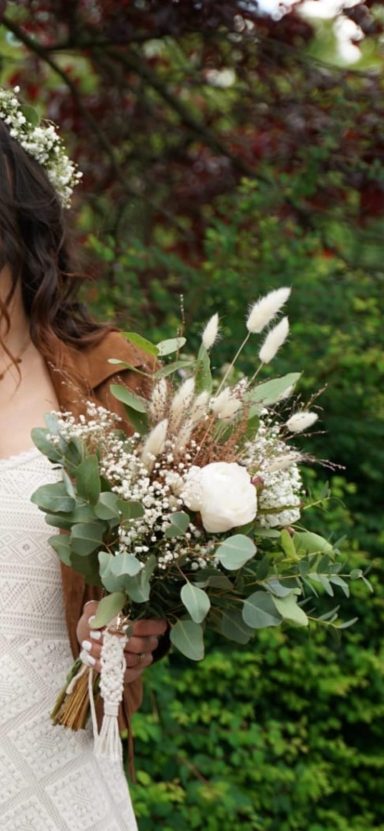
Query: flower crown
[[42, 142]]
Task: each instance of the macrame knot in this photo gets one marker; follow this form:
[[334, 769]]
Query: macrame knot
[[113, 665]]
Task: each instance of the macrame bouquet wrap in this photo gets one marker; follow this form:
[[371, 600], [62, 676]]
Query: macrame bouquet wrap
[[113, 665]]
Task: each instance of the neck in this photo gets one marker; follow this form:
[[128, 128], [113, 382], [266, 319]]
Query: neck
[[16, 337]]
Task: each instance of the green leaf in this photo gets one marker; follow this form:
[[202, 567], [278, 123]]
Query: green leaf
[[86, 537], [126, 396], [88, 479], [259, 611], [40, 439], [233, 627], [289, 609], [187, 637], [139, 421], [53, 498], [312, 543], [196, 602], [178, 526], [169, 369], [219, 581], [108, 608], [235, 551], [166, 347], [288, 544], [88, 567], [130, 510], [139, 588], [203, 376], [269, 392], [142, 343], [61, 544], [107, 506], [125, 564], [347, 623], [275, 587], [74, 453], [109, 581]]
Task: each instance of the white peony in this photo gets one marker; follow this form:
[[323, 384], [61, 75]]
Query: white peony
[[223, 494]]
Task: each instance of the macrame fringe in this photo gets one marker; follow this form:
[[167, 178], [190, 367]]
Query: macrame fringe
[[107, 742]]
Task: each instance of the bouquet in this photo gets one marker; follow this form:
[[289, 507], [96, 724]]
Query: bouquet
[[195, 517]]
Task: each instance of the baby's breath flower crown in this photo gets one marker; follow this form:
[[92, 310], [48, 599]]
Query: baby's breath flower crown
[[41, 141]]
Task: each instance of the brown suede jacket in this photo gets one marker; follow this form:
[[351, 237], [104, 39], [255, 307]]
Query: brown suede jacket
[[78, 376]]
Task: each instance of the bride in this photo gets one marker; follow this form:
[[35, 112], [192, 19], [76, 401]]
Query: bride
[[52, 355]]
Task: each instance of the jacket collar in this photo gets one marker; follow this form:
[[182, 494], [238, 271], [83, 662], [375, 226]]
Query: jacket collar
[[77, 373]]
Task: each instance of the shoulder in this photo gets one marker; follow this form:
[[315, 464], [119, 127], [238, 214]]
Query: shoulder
[[93, 362]]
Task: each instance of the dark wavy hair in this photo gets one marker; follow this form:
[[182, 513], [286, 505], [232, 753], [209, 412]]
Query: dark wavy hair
[[35, 244]]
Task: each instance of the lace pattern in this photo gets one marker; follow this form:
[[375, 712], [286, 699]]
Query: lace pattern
[[50, 778]]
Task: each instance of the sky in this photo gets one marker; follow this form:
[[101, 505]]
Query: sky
[[326, 9]]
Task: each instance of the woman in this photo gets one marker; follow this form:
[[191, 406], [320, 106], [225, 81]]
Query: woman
[[52, 355]]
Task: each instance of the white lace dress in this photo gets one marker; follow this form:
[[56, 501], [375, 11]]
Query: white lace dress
[[49, 777]]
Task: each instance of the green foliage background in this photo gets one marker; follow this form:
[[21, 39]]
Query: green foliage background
[[286, 734], [220, 193]]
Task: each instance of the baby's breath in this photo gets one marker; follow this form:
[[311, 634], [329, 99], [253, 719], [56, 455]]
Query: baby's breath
[[43, 143]]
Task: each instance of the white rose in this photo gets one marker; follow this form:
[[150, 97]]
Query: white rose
[[223, 494]]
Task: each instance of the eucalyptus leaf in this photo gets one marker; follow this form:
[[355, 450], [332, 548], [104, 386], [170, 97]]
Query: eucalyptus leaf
[[287, 544], [53, 498], [40, 439], [259, 611], [88, 479], [233, 627], [166, 347], [142, 343], [275, 587], [130, 510], [88, 567], [289, 609], [52, 422], [312, 543], [107, 506], [125, 564], [175, 366], [139, 587], [235, 551], [64, 521], [187, 637], [86, 537], [196, 602], [270, 392], [110, 582], [107, 609], [220, 581], [61, 544], [126, 396], [178, 525]]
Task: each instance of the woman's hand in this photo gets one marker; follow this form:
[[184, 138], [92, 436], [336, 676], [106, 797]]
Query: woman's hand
[[140, 646]]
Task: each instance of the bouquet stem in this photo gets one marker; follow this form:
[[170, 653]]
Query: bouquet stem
[[72, 706]]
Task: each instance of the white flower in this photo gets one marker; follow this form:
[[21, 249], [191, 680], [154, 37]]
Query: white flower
[[274, 341], [199, 409], [210, 332], [154, 444], [262, 312], [43, 143], [301, 421], [225, 405], [181, 403], [158, 400], [223, 494]]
